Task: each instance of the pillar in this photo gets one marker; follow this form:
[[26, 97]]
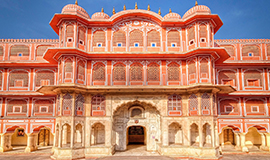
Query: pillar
[[31, 143], [5, 142], [213, 134], [243, 140], [64, 135], [165, 138], [238, 141], [216, 136], [200, 127], [60, 137], [267, 135], [108, 135], [263, 146]]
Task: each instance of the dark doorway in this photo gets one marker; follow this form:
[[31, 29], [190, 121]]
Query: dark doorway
[[44, 137], [136, 135], [228, 136]]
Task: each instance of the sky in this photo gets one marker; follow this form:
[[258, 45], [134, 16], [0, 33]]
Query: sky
[[29, 19]]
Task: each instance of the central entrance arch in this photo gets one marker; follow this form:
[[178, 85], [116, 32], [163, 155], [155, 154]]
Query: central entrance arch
[[136, 135], [136, 123]]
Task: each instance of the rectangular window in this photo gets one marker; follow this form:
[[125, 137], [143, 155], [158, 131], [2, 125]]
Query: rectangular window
[[44, 82], [253, 82], [119, 44], [43, 109], [136, 44], [173, 44], [18, 83], [228, 109], [153, 44], [254, 108], [17, 109]]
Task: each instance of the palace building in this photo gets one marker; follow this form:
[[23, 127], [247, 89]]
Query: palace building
[[135, 78]]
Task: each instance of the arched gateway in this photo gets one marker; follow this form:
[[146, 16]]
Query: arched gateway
[[136, 123]]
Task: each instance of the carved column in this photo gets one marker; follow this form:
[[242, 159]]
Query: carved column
[[243, 140], [72, 127], [60, 137], [267, 135], [238, 141], [64, 134], [108, 137], [165, 140], [199, 103], [216, 136], [200, 134], [263, 146], [31, 143], [213, 134]]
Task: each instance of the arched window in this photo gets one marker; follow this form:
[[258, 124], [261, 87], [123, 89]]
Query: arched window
[[153, 72], [174, 105], [99, 72], [193, 105], [205, 105], [175, 134], [119, 39], [153, 39], [173, 39], [68, 69], [136, 112], [99, 39], [44, 77], [173, 72], [136, 36], [43, 107], [81, 71], [192, 71], [119, 72], [79, 105], [67, 104], [18, 78], [98, 134], [136, 72], [191, 35], [203, 33], [19, 50], [69, 33], [194, 135], [41, 50], [98, 105], [81, 36], [204, 69]]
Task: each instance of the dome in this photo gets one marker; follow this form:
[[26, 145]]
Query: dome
[[172, 16], [199, 9], [100, 15], [75, 9]]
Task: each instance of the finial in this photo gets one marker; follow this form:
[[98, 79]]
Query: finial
[[196, 3], [136, 6], [113, 11], [124, 8], [159, 12], [148, 8], [170, 10], [102, 10], [76, 2]]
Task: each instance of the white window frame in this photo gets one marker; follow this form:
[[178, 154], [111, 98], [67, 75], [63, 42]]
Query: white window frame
[[40, 108], [153, 43], [229, 107], [70, 38], [118, 44], [173, 44], [81, 41], [203, 39], [99, 44], [14, 108], [257, 107], [190, 42], [136, 43]]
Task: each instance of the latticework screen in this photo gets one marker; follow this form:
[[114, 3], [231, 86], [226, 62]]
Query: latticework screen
[[253, 75], [173, 37], [206, 104], [11, 106], [58, 104], [43, 106], [79, 104], [99, 72], [203, 31], [193, 103], [98, 102], [119, 72], [18, 79], [230, 50], [119, 37], [153, 37], [257, 104], [41, 50], [136, 72], [81, 70], [268, 50], [70, 31], [67, 104], [153, 72], [44, 78], [136, 36], [251, 48], [226, 75], [82, 34], [14, 50], [99, 37], [229, 102], [192, 70], [174, 103], [68, 68], [1, 51], [204, 68], [191, 33], [173, 72], [1, 79]]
